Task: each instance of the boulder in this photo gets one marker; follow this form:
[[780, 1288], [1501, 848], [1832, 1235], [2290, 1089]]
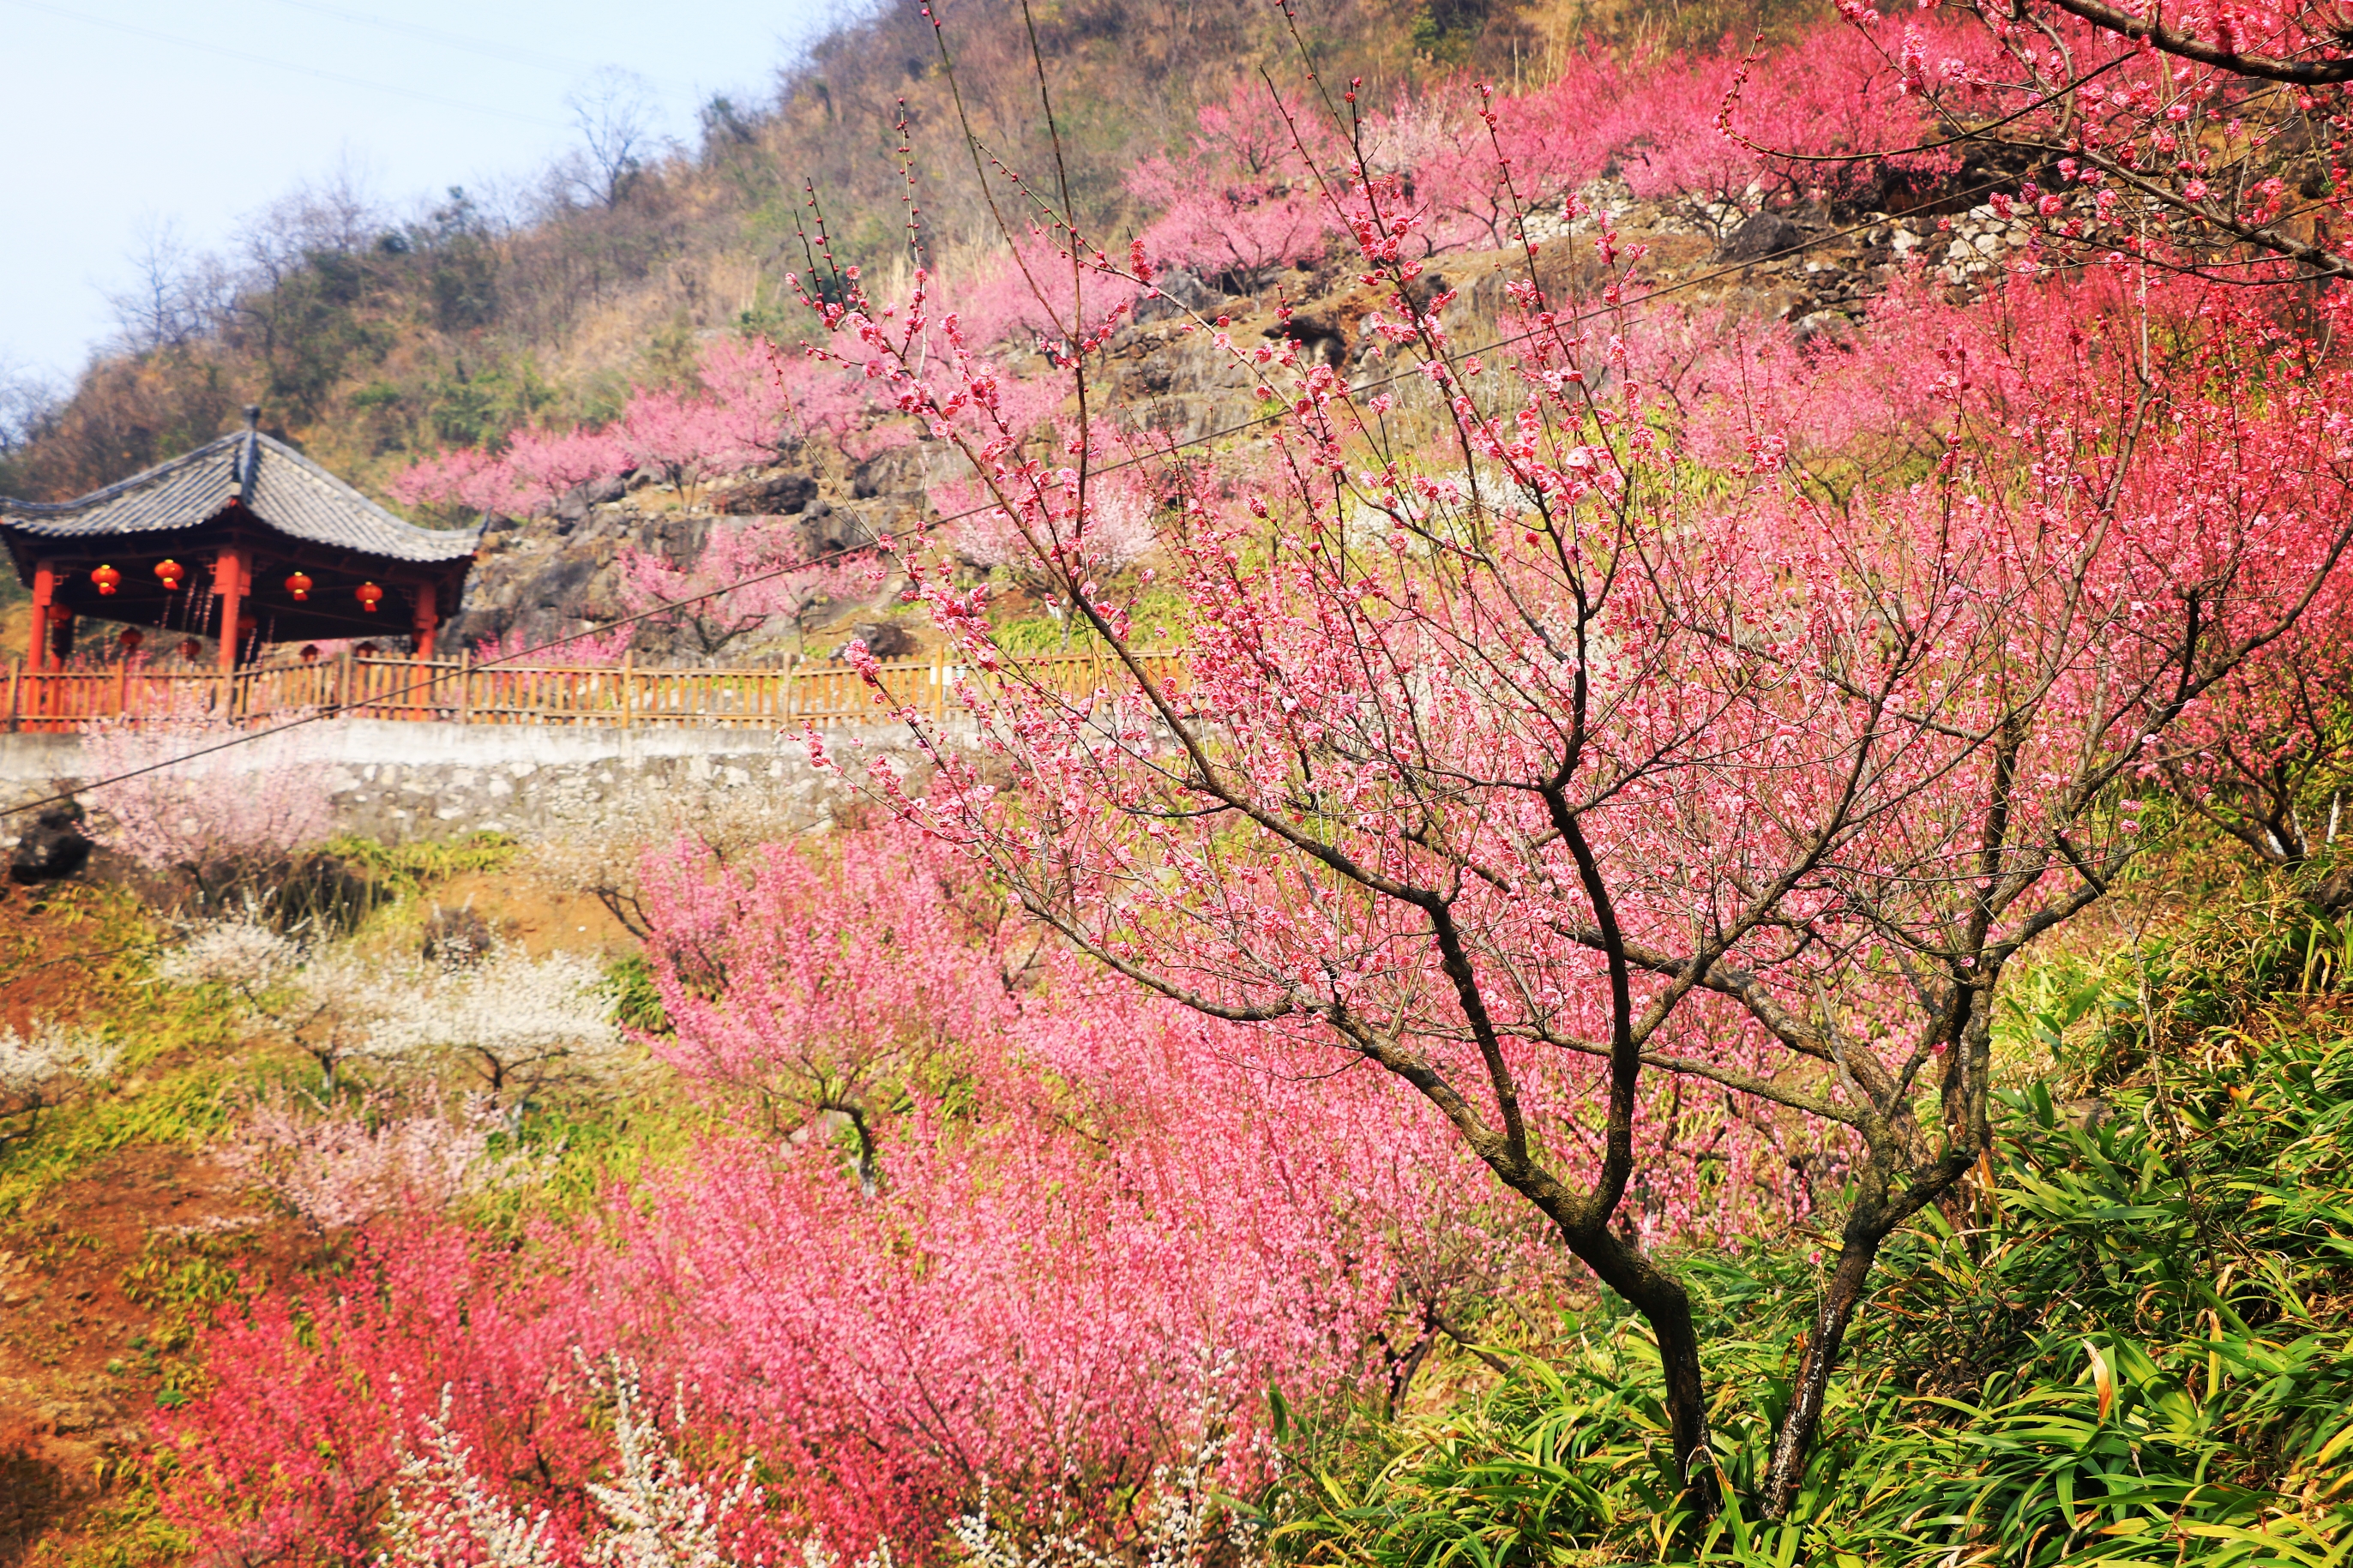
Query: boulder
[[781, 496], [53, 848], [1763, 236], [887, 639]]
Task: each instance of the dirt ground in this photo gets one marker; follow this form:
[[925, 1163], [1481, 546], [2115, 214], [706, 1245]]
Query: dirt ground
[[521, 908], [77, 1394]]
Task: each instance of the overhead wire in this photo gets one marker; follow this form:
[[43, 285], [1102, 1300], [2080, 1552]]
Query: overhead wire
[[826, 557], [180, 41], [506, 54]]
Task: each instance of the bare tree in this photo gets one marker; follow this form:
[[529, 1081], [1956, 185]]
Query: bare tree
[[29, 401], [172, 293], [614, 111]]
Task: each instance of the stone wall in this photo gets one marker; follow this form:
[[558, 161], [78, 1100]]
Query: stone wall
[[401, 781]]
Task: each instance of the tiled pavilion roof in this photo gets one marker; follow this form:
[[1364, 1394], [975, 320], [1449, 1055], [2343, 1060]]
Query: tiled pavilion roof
[[276, 484]]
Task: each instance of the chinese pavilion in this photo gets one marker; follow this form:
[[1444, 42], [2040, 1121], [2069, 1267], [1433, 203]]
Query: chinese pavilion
[[243, 540]]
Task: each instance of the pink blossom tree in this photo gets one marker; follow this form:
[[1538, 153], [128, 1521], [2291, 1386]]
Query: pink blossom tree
[[602, 646], [1049, 1256], [196, 792], [1244, 199], [1533, 751], [464, 477], [2176, 140], [545, 464], [746, 577], [685, 439]]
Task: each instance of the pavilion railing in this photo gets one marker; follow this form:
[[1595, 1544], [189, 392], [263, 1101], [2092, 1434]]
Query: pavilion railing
[[460, 691]]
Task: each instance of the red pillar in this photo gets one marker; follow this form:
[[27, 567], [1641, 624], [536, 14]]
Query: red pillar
[[229, 585], [426, 620], [45, 592]]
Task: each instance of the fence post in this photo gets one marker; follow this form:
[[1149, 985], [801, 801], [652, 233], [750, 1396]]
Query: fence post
[[466, 687], [628, 686], [16, 682], [940, 684]]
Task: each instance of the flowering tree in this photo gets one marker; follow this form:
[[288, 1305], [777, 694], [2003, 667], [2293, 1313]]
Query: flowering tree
[[594, 646], [755, 403], [521, 1024], [464, 477], [542, 464], [295, 1443], [345, 1168], [49, 1065], [657, 1511], [1244, 199], [686, 438], [1111, 536], [814, 986], [183, 797], [1528, 751], [1052, 1254], [747, 577], [325, 1002]]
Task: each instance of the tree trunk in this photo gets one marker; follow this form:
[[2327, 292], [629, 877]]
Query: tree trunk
[[1795, 1442], [1664, 1304]]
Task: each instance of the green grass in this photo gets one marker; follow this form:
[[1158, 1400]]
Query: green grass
[[408, 869]]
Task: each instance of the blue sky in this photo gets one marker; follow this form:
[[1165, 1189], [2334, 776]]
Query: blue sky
[[125, 115]]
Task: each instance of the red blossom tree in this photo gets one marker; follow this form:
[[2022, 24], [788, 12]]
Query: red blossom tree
[[983, 1213]]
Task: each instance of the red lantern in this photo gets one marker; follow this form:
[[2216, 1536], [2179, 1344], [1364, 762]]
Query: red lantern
[[107, 578], [299, 586], [129, 640], [189, 648], [369, 597], [169, 573], [310, 653]]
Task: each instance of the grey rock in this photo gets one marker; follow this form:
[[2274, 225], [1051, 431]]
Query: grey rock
[[886, 639], [1762, 236], [782, 496]]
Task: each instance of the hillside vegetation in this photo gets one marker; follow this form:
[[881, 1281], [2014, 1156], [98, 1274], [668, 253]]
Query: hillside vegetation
[[371, 333]]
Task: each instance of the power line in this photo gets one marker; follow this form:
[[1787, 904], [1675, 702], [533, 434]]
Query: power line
[[823, 558], [338, 78], [505, 54]]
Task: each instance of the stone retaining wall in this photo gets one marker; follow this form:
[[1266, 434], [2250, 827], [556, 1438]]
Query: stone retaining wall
[[402, 781]]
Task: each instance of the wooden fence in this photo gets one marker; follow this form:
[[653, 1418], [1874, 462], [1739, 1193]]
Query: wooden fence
[[460, 691]]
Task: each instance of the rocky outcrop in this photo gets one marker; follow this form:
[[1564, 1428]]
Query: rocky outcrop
[[559, 572]]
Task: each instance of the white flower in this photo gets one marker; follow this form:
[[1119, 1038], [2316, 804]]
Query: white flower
[[243, 953], [518, 1020], [52, 1059]]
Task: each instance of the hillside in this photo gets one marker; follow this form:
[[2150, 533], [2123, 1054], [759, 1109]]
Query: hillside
[[394, 351], [373, 336]]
